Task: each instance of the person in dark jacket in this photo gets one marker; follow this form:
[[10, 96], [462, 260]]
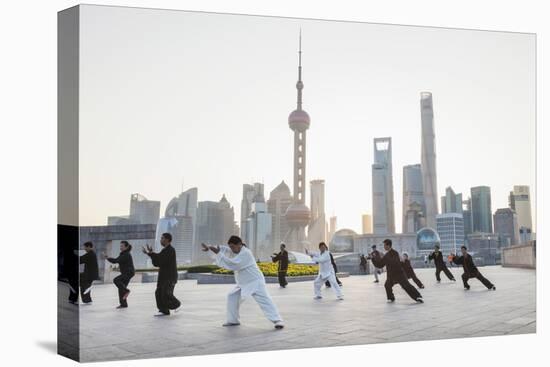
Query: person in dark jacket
[[470, 270], [282, 268], [439, 261], [377, 271], [90, 273], [165, 260], [127, 272], [363, 263], [409, 271], [327, 283], [396, 274]]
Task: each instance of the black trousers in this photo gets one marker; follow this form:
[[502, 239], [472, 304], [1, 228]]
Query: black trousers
[[479, 277], [404, 283], [417, 281], [121, 283], [282, 278], [327, 283], [73, 290], [165, 298], [85, 288], [444, 269]]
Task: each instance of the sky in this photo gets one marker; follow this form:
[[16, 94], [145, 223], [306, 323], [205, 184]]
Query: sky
[[173, 99]]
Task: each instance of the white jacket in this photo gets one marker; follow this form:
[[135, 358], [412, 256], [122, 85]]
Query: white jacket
[[248, 276], [325, 265]]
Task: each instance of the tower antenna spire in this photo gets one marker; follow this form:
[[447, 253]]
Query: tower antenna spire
[[299, 84]]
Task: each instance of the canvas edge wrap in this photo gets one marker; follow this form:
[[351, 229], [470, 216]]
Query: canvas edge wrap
[[68, 23]]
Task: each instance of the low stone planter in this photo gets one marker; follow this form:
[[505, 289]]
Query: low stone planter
[[208, 278], [152, 277]]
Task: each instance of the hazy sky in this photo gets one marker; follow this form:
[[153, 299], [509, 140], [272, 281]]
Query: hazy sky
[[172, 97]]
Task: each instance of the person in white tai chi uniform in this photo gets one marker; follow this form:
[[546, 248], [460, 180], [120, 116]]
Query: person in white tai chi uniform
[[326, 272], [250, 280]]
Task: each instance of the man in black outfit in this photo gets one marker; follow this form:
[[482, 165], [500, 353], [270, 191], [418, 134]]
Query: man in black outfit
[[470, 270], [409, 271], [90, 273], [282, 259], [375, 253], [327, 283], [396, 274], [363, 263], [437, 257], [165, 260], [127, 272]]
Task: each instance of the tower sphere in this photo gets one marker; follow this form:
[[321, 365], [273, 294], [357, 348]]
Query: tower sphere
[[298, 120]]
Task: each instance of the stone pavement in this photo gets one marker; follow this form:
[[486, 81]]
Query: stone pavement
[[363, 317]]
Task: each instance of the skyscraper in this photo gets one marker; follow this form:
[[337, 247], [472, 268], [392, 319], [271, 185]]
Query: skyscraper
[[467, 216], [316, 229], [506, 226], [332, 227], [366, 221], [450, 228], [249, 193], [382, 187], [520, 202], [143, 210], [215, 224], [482, 218], [451, 202], [428, 159], [259, 229], [298, 214], [277, 205], [413, 199]]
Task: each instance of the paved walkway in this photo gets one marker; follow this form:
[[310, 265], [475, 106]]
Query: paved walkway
[[363, 317]]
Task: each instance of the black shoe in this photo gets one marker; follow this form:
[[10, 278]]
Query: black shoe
[[162, 313], [467, 288], [122, 306], [439, 281], [377, 281], [493, 289], [421, 287], [453, 280]]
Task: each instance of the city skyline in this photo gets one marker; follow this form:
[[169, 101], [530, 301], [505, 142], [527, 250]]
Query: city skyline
[[343, 124]]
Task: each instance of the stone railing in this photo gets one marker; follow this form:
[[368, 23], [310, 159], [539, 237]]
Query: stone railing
[[520, 256]]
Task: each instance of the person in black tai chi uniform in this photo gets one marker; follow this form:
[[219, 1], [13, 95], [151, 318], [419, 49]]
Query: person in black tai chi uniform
[[470, 270], [409, 271], [439, 261], [327, 283], [127, 272], [282, 268], [90, 273], [396, 274], [165, 260]]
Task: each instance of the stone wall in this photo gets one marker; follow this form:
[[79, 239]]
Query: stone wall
[[520, 256]]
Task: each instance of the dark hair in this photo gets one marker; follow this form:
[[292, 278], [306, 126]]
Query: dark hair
[[387, 241], [88, 244], [464, 247], [282, 244], [373, 246], [168, 236], [323, 244], [127, 245], [235, 240], [437, 246]]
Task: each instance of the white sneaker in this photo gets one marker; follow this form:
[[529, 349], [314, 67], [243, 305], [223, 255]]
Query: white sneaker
[[161, 314], [279, 325], [419, 300], [317, 297], [177, 309]]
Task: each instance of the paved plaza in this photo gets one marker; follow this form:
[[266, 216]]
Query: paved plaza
[[363, 317]]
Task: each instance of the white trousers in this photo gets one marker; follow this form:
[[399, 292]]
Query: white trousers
[[318, 283], [376, 272], [261, 297]]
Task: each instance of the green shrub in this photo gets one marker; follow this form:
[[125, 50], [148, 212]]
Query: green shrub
[[271, 270], [202, 268]]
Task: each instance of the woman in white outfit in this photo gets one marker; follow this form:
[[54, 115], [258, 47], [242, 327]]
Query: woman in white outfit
[[250, 280], [326, 272]]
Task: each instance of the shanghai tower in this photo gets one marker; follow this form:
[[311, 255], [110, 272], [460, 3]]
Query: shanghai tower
[[429, 174], [297, 214]]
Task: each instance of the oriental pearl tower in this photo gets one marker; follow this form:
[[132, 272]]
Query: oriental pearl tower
[[297, 214]]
